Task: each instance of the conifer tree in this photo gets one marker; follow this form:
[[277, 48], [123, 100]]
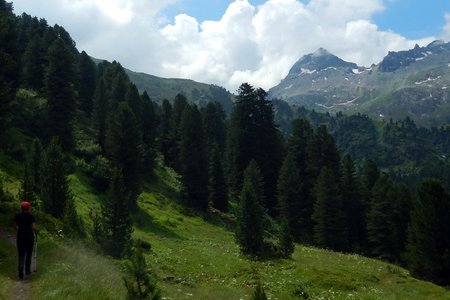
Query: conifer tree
[[59, 78], [251, 213], [300, 145], [286, 241], [352, 203], [165, 140], [114, 227], [140, 283], [8, 63], [288, 191], [54, 188], [33, 64], [429, 233], [193, 159], [253, 135], [149, 130], [217, 187], [87, 82], [180, 105], [380, 220], [214, 122], [101, 109], [330, 229], [124, 149]]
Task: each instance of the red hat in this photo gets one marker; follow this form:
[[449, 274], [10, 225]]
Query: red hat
[[25, 205]]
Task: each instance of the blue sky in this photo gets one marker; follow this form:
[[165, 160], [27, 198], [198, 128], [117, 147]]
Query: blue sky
[[203, 9], [255, 41], [413, 19]]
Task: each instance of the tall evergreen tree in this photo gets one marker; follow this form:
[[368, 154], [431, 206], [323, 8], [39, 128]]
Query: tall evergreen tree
[[59, 78], [8, 63], [300, 144], [286, 240], [429, 233], [217, 187], [353, 204], [33, 64], [180, 104], [380, 220], [140, 283], [114, 226], [251, 213], [330, 229], [54, 188], [214, 122], [101, 109], [165, 140], [288, 191], [149, 130], [253, 135], [124, 149], [87, 82], [193, 159]]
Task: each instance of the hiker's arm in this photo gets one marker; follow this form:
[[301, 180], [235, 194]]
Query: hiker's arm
[[33, 226]]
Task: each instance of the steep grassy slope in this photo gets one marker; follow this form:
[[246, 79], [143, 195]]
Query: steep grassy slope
[[195, 257]]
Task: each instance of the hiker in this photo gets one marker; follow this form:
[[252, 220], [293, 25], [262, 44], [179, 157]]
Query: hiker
[[25, 224]]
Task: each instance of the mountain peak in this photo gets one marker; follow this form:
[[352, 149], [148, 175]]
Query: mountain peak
[[319, 60], [321, 52]]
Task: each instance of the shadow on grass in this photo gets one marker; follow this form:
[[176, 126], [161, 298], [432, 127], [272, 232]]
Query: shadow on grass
[[144, 221]]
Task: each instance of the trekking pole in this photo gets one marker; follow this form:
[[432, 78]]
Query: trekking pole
[[35, 253]]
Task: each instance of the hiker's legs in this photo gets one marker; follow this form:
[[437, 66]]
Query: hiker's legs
[[28, 255], [21, 251]]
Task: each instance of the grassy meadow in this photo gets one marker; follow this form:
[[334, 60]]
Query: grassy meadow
[[195, 256]]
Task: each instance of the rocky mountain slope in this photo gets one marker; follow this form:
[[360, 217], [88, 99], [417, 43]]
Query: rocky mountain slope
[[414, 83]]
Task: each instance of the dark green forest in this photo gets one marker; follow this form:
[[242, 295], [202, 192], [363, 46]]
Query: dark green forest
[[287, 175]]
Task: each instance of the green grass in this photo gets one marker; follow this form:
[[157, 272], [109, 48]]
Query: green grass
[[194, 256], [73, 271], [196, 259]]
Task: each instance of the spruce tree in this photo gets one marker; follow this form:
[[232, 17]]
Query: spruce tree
[[253, 135], [217, 187], [8, 63], [330, 228], [193, 159], [140, 283], [251, 213], [114, 226], [300, 145], [87, 82], [165, 131], [286, 241], [101, 110], [289, 196], [380, 220], [54, 188], [352, 203], [149, 130], [59, 78], [429, 233], [33, 64], [214, 123], [123, 143]]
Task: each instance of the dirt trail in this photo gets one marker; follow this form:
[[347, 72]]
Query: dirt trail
[[20, 289]]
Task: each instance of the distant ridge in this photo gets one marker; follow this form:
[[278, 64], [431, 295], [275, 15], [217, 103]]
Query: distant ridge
[[414, 83]]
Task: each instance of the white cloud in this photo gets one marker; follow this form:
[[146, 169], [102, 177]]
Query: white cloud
[[248, 44], [446, 28]]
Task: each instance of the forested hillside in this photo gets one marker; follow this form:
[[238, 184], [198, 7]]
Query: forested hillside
[[106, 167]]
